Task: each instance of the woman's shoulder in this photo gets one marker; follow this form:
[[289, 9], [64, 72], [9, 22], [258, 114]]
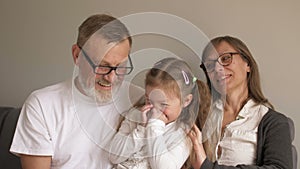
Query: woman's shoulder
[[272, 114], [273, 117]]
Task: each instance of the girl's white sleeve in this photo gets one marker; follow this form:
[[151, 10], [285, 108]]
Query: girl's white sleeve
[[166, 151], [127, 141]]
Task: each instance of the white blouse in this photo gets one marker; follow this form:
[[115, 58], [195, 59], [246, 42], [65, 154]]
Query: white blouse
[[239, 140]]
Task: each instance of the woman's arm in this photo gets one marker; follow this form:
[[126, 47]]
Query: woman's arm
[[274, 141]]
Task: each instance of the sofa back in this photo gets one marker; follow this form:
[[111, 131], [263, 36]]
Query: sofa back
[[8, 120], [294, 151]]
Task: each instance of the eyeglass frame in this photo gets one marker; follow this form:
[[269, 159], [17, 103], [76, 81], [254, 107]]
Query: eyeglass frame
[[217, 60], [91, 63]]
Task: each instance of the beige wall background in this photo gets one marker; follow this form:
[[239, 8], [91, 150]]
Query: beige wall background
[[36, 38]]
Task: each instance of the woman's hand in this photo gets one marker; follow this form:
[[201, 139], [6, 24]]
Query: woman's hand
[[198, 155]]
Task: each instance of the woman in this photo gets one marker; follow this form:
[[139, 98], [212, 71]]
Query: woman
[[242, 129]]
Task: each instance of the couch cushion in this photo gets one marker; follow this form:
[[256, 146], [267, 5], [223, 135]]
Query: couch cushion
[[8, 120], [294, 151]]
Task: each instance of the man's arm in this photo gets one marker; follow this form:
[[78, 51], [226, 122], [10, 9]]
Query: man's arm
[[35, 162]]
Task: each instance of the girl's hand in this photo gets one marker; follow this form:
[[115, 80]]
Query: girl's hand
[[157, 114], [198, 155], [145, 110]]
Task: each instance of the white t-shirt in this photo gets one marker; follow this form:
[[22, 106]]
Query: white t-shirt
[[61, 122]]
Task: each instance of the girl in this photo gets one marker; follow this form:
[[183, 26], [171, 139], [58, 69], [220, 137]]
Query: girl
[[153, 133]]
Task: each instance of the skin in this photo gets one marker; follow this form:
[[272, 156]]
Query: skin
[[231, 82], [100, 85], [35, 162], [163, 106], [114, 54], [198, 153]]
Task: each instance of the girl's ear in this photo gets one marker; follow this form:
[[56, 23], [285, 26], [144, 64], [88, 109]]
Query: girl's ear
[[187, 100]]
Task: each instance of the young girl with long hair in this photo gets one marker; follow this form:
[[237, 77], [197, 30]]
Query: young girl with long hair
[[153, 133]]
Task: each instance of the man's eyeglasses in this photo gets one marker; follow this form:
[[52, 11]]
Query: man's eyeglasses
[[105, 70], [225, 59]]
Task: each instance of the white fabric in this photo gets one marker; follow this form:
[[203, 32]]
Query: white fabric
[[61, 122], [155, 146], [239, 141]]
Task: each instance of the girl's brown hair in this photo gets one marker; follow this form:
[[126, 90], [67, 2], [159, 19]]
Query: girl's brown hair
[[174, 76]]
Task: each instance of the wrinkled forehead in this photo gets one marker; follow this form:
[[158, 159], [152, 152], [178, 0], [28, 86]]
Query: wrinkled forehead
[[98, 46]]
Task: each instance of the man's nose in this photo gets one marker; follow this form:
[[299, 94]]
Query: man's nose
[[111, 76]]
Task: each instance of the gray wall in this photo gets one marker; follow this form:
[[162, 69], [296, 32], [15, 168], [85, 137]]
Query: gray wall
[[36, 38]]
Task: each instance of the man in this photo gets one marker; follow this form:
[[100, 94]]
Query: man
[[68, 125]]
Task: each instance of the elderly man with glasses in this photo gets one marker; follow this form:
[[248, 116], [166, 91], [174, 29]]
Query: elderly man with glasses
[[69, 124]]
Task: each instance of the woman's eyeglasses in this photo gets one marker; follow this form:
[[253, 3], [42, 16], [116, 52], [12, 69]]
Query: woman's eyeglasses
[[225, 59]]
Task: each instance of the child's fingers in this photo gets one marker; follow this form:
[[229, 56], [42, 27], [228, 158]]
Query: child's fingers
[[156, 113], [146, 108]]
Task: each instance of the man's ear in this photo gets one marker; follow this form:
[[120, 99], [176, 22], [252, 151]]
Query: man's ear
[[75, 53], [187, 100]]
